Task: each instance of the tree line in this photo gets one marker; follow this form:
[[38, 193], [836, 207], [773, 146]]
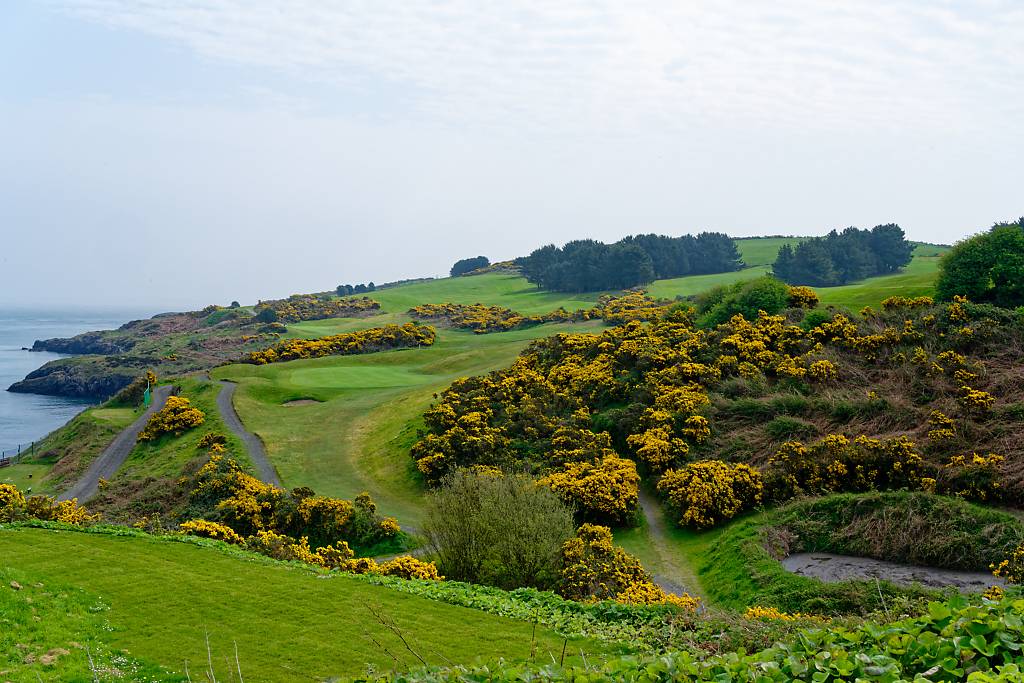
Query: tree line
[[842, 257], [589, 265]]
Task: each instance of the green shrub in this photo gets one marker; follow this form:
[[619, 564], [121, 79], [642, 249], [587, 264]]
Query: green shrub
[[497, 530], [743, 298]]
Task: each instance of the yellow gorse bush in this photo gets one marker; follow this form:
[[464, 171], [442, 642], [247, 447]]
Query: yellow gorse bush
[[374, 339], [803, 297], [15, 506], [605, 490], [482, 319], [895, 302], [207, 529], [299, 307], [596, 569], [177, 415], [708, 492], [773, 614]]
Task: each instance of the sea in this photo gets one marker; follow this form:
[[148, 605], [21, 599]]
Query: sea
[[25, 418]]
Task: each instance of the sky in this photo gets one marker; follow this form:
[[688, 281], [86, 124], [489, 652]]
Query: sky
[[176, 153]]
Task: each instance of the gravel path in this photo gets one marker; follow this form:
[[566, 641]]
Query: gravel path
[[257, 453], [829, 568], [111, 459]]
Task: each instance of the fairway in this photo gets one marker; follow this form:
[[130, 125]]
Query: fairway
[[357, 437], [347, 377], [289, 623], [917, 279]]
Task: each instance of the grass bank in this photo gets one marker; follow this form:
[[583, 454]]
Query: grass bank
[[160, 599]]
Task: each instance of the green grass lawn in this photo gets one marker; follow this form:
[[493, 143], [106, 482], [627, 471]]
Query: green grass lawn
[[162, 598], [917, 279], [762, 251], [356, 437]]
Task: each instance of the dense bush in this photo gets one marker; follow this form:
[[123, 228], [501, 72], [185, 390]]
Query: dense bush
[[596, 569], [497, 530], [374, 339], [708, 492], [588, 265], [986, 268], [14, 506], [482, 319], [177, 415], [666, 394], [299, 307], [720, 304], [221, 491], [468, 265], [839, 258]]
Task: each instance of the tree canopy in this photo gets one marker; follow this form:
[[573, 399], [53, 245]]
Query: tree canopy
[[986, 268], [468, 265], [842, 257], [589, 265]]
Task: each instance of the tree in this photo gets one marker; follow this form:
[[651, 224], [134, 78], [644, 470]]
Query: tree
[[627, 265], [267, 315], [986, 268], [468, 265], [235, 304], [841, 257], [891, 247], [497, 529], [345, 290], [744, 298], [589, 265]]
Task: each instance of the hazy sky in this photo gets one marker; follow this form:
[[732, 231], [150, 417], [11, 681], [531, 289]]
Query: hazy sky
[[173, 153]]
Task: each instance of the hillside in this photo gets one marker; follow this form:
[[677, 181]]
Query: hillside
[[712, 452], [161, 600]]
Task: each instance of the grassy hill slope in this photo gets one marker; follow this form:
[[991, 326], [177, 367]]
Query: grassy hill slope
[[162, 598]]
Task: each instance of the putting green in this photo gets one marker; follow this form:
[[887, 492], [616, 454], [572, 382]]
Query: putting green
[[355, 377]]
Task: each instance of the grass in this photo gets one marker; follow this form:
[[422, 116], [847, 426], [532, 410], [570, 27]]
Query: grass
[[917, 279], [49, 631], [762, 251], [356, 436], [67, 452], [161, 598], [167, 455]]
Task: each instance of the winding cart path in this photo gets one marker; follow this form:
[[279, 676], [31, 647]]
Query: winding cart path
[[257, 453], [114, 455]]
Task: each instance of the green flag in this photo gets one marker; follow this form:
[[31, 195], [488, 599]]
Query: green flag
[[147, 396]]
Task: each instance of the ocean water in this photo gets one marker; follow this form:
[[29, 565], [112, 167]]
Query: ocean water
[[28, 417]]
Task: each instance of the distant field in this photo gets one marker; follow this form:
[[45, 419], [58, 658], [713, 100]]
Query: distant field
[[917, 279], [161, 598], [357, 437], [762, 251]]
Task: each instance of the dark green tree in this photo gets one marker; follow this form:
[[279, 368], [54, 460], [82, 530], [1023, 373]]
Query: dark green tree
[[986, 268], [468, 265]]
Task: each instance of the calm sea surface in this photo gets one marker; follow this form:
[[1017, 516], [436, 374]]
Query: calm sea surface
[[27, 417]]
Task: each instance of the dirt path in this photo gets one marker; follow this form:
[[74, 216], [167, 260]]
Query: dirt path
[[110, 460], [257, 453], [829, 568], [673, 575]]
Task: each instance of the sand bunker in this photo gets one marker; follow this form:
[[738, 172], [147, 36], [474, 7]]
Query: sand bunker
[[301, 402], [831, 568]]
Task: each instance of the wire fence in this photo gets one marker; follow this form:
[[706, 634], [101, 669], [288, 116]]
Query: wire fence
[[14, 454]]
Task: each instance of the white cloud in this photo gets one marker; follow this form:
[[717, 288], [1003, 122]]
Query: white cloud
[[623, 66]]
